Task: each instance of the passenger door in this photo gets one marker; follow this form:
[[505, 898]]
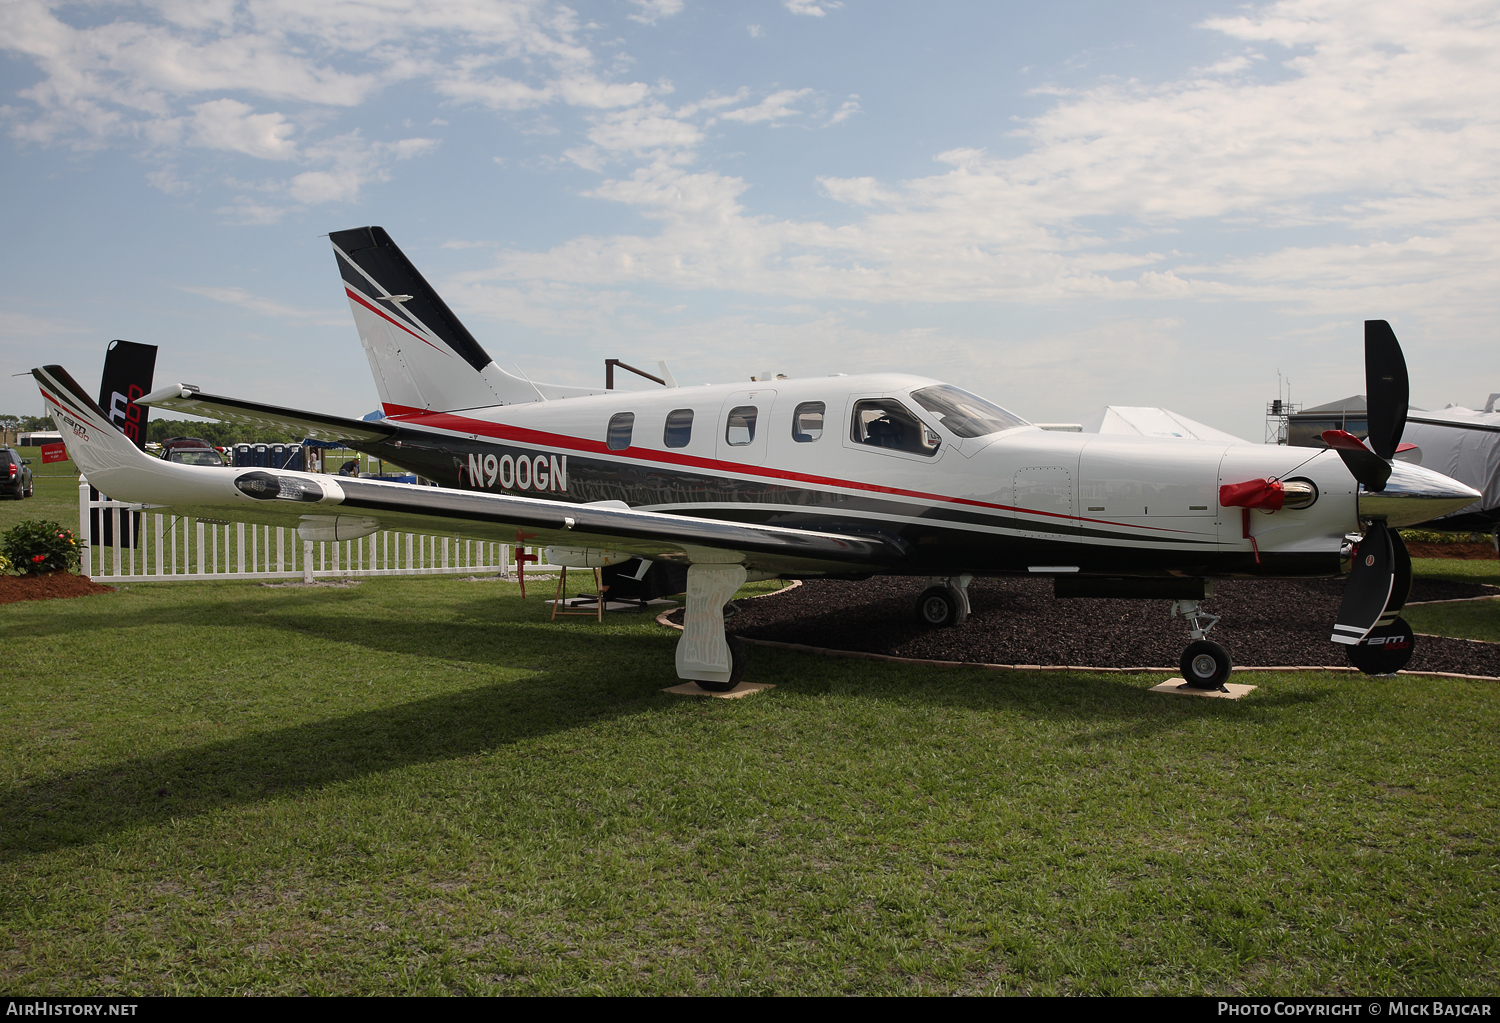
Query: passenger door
[[744, 425]]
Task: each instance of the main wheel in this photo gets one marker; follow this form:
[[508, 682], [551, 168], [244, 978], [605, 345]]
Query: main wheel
[[1385, 650], [736, 668], [940, 606], [1205, 665]]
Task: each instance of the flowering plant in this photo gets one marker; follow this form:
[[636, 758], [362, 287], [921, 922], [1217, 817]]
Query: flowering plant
[[36, 546]]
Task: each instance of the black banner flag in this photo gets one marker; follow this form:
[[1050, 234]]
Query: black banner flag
[[128, 370]]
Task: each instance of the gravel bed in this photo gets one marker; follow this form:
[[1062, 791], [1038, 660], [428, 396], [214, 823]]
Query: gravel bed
[[1018, 621]]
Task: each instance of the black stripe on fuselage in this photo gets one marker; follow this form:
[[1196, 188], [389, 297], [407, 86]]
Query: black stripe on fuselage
[[943, 538]]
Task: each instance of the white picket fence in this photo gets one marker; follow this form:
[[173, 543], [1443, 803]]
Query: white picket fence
[[182, 548]]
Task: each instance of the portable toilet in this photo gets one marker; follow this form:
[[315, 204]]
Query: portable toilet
[[278, 456], [294, 458], [243, 455], [263, 456]]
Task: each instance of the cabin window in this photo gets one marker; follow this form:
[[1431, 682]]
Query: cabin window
[[679, 429], [620, 426], [964, 414], [884, 423], [740, 430], [807, 422]]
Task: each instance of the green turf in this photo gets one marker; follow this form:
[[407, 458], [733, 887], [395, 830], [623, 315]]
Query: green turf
[[1457, 569], [420, 785], [1479, 619]]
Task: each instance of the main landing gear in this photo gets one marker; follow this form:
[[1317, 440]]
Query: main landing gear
[[945, 601], [1205, 664]]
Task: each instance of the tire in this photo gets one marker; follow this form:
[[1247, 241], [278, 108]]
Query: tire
[[1205, 665], [1385, 650], [736, 668], [939, 607]]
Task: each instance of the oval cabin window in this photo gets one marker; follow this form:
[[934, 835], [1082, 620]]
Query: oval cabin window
[[620, 427], [679, 428], [807, 422]]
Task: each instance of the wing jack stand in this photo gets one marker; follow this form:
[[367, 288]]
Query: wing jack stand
[[706, 654], [1205, 664]]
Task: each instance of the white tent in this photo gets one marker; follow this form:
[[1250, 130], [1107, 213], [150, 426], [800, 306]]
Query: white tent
[[1140, 421], [1464, 444]]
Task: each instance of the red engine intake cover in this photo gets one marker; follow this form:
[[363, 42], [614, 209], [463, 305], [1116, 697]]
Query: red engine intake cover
[[1267, 494]]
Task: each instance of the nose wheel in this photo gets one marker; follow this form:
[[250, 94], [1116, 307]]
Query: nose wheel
[[1205, 664]]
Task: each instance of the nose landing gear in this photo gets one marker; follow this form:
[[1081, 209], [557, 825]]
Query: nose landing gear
[[1205, 664]]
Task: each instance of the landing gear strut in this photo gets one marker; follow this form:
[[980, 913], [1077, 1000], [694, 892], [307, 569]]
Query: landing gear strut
[[1205, 664]]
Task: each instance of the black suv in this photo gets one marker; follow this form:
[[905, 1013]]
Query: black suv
[[15, 474]]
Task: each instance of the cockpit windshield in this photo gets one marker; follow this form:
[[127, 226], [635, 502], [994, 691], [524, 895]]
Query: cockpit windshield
[[964, 414]]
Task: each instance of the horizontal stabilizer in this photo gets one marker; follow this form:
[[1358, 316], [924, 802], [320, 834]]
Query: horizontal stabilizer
[[185, 398]]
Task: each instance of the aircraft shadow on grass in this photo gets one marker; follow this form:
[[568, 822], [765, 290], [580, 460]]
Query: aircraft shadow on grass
[[83, 806]]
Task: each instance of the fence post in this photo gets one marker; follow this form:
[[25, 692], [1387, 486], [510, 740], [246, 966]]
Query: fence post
[[85, 548], [307, 561]]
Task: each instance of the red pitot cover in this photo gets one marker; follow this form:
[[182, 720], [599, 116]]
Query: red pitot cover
[[1267, 494], [54, 453]]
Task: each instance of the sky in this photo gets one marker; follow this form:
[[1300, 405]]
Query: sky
[[1058, 206]]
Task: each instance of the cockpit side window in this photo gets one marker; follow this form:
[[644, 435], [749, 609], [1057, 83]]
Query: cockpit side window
[[886, 423], [965, 414], [621, 426], [807, 422], [679, 428]]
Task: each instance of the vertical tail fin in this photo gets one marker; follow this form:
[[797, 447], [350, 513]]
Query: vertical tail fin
[[422, 356]]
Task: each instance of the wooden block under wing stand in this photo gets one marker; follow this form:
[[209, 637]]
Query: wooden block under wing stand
[[1235, 690], [743, 689]]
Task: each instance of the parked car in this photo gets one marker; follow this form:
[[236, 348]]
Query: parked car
[[190, 451], [15, 474]]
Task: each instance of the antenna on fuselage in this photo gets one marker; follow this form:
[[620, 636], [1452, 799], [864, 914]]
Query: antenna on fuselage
[[534, 387]]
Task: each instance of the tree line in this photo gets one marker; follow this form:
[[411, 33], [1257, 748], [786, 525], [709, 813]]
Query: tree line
[[219, 434]]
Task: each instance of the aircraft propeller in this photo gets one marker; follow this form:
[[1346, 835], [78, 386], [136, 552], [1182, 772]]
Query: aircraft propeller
[[1380, 581]]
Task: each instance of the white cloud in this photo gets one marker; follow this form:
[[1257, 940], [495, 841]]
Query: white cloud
[[230, 124], [813, 8], [267, 307], [846, 110], [649, 11], [155, 73], [1374, 124], [775, 107]]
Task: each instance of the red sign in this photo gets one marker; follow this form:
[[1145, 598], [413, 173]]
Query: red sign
[[54, 453]]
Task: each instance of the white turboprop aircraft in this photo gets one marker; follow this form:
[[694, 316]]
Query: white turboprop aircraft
[[832, 476]]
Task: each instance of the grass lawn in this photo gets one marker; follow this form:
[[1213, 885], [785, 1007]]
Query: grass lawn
[[421, 785]]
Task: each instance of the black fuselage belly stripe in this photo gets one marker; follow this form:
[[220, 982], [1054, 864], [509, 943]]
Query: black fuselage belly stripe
[[679, 489]]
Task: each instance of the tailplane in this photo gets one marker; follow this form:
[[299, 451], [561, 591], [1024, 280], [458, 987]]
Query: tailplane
[[423, 358]]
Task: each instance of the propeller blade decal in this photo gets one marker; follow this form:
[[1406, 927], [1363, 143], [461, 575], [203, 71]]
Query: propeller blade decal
[[1369, 588], [1364, 464], [1387, 389]]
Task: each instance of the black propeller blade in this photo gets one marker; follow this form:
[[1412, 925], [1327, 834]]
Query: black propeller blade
[[1369, 588], [1387, 389], [1364, 464]]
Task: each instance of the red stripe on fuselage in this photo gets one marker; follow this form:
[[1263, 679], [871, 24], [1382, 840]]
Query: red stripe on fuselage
[[451, 423], [357, 297]]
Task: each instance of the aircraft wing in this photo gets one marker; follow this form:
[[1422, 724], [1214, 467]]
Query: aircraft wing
[[186, 398], [324, 507]]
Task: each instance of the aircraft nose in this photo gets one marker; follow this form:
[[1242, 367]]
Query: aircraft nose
[[1414, 494]]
